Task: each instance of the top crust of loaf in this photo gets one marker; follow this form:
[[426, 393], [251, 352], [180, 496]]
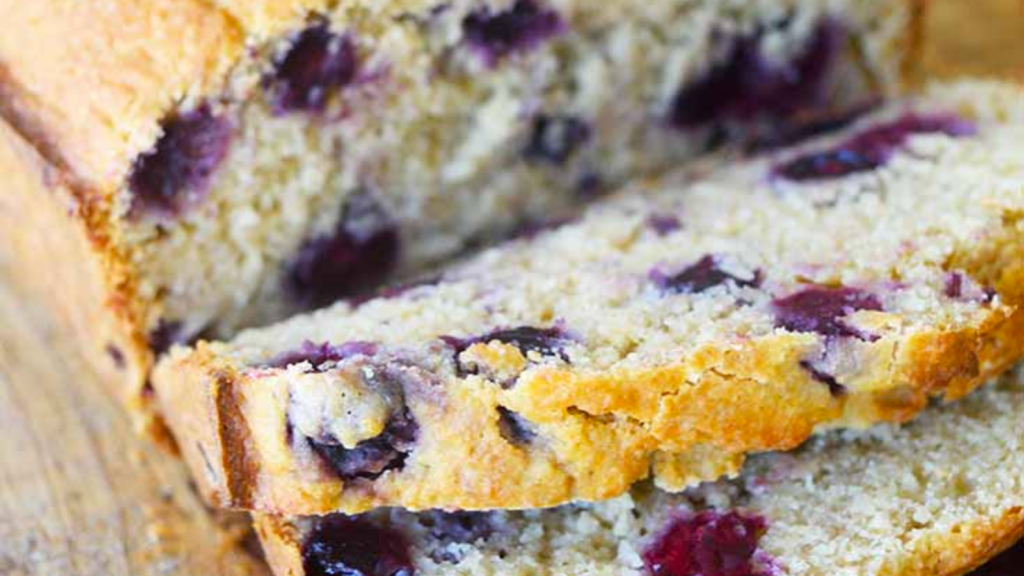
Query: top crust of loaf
[[89, 82]]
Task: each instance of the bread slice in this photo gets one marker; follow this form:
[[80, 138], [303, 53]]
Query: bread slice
[[937, 497], [216, 165], [734, 308]]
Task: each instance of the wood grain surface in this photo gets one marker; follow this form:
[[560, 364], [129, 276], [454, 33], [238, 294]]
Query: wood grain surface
[[80, 495]]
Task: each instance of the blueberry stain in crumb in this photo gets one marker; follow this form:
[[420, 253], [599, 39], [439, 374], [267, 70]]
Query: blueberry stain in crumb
[[116, 356], [544, 341], [708, 543], [175, 174], [700, 276], [351, 546], [823, 310], [870, 149], [746, 87], [523, 27], [371, 458], [317, 65], [318, 355], [358, 256]]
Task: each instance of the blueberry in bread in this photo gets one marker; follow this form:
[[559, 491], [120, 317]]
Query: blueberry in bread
[[733, 308], [936, 497]]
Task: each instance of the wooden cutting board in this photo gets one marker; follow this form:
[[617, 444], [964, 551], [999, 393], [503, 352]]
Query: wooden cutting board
[[80, 495]]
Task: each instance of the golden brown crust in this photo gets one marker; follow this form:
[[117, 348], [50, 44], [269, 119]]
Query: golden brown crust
[[215, 447], [58, 250], [965, 550], [281, 546], [90, 81]]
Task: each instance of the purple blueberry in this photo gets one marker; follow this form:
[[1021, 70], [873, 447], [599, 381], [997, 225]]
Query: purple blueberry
[[703, 275], [318, 63], [544, 341], [514, 428], [834, 387], [832, 164], [175, 175], [954, 285], [519, 29], [456, 527], [375, 456], [351, 546], [958, 286], [664, 224], [361, 253], [708, 544], [747, 87], [166, 334], [870, 149], [555, 139], [823, 310], [319, 354]]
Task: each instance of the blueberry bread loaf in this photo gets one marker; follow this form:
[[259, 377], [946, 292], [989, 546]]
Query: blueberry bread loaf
[[934, 498], [736, 307], [228, 163]]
